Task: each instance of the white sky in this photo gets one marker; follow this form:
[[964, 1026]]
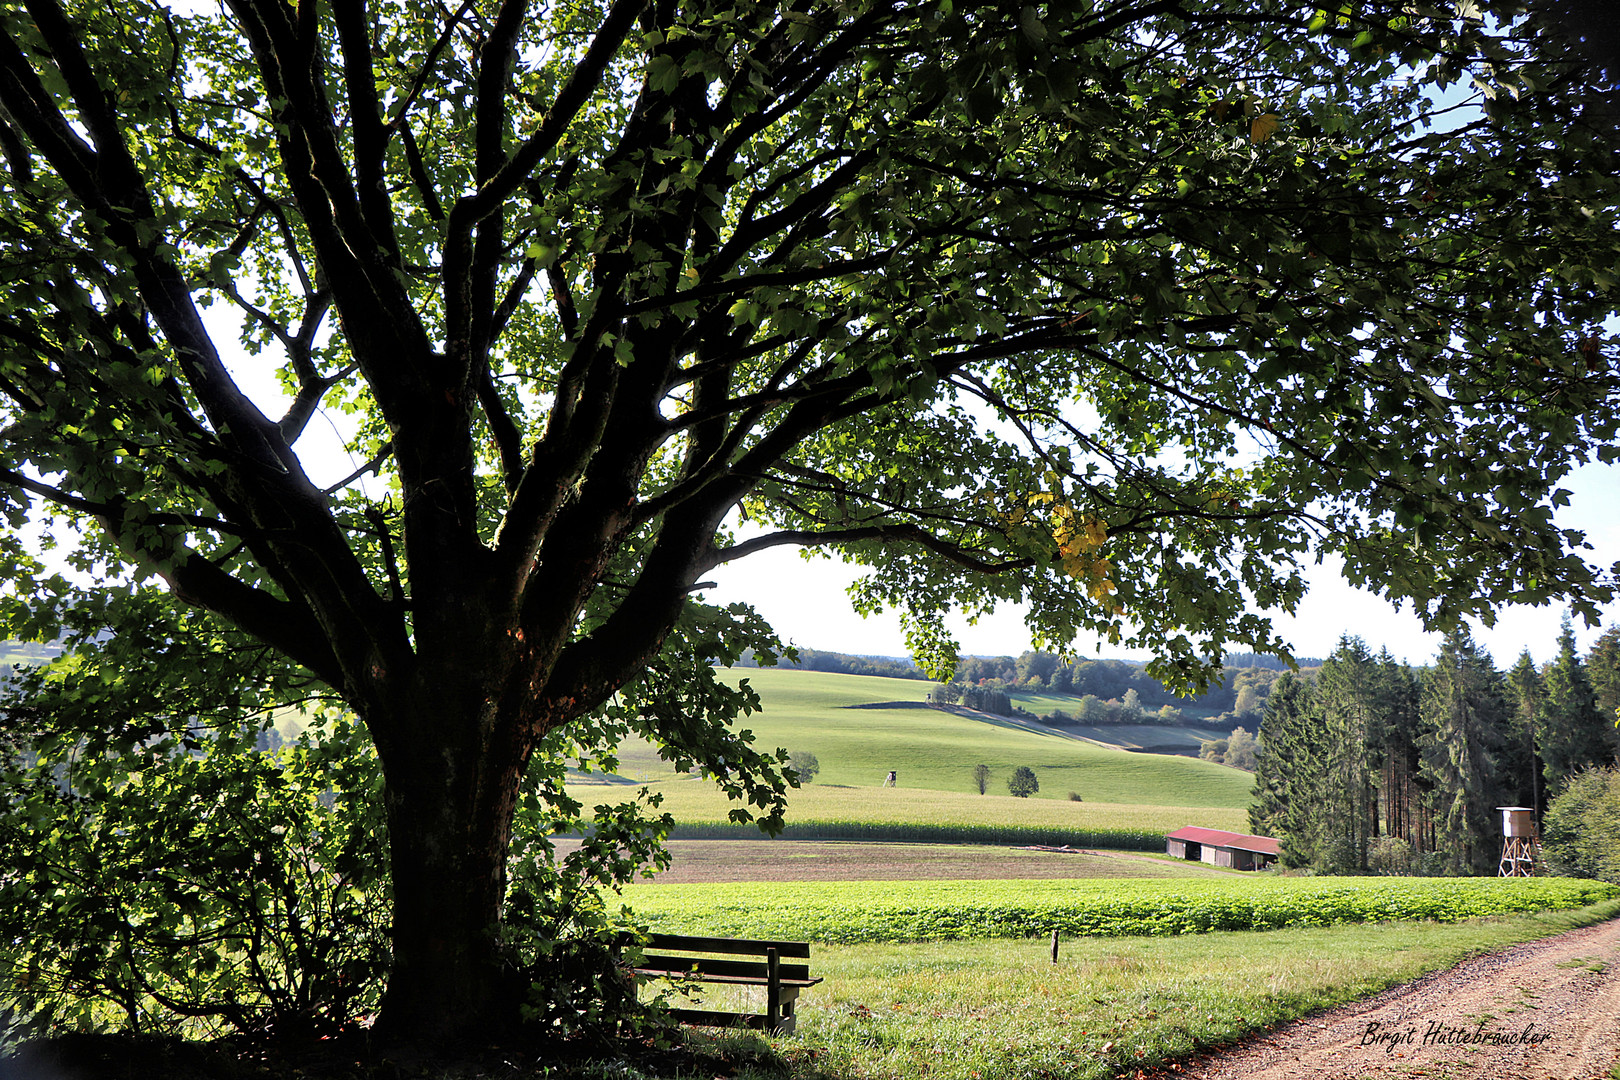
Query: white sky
[[804, 600]]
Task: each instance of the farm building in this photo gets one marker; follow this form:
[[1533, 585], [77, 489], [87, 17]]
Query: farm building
[[1217, 847]]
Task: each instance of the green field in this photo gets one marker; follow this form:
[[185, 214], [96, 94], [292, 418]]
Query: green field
[[846, 912], [842, 813], [1001, 1010], [935, 750]]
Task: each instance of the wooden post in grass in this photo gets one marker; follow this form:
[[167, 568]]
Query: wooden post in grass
[[773, 991], [1054, 946]]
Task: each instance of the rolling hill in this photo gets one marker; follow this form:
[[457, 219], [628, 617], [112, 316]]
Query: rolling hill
[[861, 727]]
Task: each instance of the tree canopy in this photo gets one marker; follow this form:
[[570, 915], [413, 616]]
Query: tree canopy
[[1121, 309]]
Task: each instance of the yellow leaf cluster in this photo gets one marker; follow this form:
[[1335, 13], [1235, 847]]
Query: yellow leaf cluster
[[1080, 537], [1080, 540]]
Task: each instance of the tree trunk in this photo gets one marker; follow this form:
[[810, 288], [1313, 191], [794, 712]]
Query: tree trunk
[[450, 808]]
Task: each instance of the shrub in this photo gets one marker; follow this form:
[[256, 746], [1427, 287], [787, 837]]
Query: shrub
[[1023, 783], [1390, 855], [196, 884], [1581, 832], [1240, 750], [1074, 796], [805, 764]]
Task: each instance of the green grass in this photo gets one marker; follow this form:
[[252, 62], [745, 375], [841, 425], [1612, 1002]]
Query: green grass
[[898, 911], [818, 811], [1001, 1010], [937, 750]]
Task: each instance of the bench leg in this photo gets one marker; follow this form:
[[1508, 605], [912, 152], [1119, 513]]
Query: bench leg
[[787, 1021]]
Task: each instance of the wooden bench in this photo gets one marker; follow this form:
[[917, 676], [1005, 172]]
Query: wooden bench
[[667, 958]]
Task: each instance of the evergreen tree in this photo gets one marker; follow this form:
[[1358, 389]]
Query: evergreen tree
[[1348, 701], [1464, 714], [1573, 733], [1523, 758], [1287, 770], [1603, 667], [1401, 782]]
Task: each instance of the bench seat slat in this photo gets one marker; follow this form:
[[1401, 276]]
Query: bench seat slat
[[786, 949], [704, 965], [707, 1018], [738, 980]]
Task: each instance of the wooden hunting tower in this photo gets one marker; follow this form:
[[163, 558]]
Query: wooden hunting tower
[[1521, 842]]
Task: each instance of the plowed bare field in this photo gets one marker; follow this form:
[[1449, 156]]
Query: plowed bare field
[[702, 861]]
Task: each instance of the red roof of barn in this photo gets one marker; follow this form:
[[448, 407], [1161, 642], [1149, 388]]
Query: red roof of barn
[[1220, 838]]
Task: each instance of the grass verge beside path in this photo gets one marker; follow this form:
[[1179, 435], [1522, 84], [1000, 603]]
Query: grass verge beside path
[[897, 911], [1002, 1011]]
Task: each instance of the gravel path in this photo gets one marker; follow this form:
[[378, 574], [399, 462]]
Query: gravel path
[[1545, 1010]]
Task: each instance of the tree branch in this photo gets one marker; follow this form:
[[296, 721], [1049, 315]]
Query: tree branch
[[902, 533]]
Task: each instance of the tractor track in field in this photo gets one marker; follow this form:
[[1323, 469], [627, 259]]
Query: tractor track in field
[[1543, 1010]]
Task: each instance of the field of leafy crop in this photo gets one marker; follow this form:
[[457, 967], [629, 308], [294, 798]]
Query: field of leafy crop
[[851, 912]]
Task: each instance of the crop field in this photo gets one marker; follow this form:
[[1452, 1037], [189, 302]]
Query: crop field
[[819, 811], [935, 750], [855, 912], [1183, 740]]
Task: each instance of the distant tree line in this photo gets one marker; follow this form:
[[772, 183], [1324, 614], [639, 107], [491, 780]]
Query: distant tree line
[[1373, 766], [1110, 691], [1117, 691], [845, 664]]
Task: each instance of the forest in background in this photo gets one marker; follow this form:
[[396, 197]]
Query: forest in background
[[1375, 766]]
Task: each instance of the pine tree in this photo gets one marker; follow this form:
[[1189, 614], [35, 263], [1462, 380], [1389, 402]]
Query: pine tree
[[1573, 733], [1464, 714], [1347, 699], [1401, 783], [1603, 666], [1288, 770], [1525, 696]]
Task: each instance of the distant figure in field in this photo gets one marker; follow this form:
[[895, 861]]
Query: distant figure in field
[[891, 780]]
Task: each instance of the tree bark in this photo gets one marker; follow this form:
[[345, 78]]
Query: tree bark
[[451, 800]]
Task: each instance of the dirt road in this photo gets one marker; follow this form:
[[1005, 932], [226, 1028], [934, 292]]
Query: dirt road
[[1546, 1010]]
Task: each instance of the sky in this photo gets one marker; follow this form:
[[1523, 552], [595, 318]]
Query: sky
[[804, 600]]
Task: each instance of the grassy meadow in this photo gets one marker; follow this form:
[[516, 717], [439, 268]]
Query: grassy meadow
[[936, 751], [1001, 1010]]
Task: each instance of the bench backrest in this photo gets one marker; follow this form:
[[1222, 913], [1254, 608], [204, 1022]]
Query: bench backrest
[[710, 965]]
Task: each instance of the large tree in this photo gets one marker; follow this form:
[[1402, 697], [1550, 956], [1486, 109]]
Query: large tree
[[1118, 308]]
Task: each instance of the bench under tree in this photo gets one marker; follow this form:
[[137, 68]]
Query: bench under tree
[[741, 962]]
